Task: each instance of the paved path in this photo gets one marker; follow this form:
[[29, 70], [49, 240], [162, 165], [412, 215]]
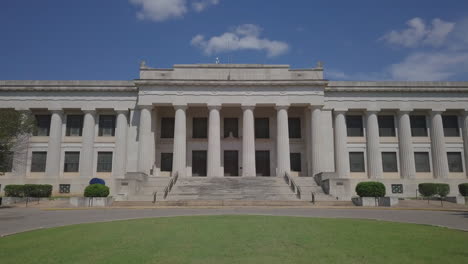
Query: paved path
[[13, 220]]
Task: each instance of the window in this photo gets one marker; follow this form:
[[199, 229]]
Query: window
[[104, 162], [450, 123], [386, 126], [64, 188], [418, 126], [397, 188], [455, 161], [389, 162], [72, 161], [166, 161], [262, 128], [106, 125], [356, 162], [231, 127], [354, 126], [167, 127], [74, 125], [295, 160], [38, 161], [6, 161], [200, 127], [294, 127], [421, 160], [42, 126]]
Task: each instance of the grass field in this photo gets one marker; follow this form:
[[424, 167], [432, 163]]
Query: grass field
[[238, 239]]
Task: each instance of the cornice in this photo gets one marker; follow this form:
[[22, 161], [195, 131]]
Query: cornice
[[229, 83], [396, 86], [93, 86]]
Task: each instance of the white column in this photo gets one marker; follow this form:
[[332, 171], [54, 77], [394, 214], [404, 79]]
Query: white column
[[282, 140], [20, 148], [465, 138], [120, 152], [439, 154], [180, 141], [87, 144], [315, 113], [248, 141], [374, 157], [144, 140], [341, 148], [54, 146], [214, 142], [405, 145]]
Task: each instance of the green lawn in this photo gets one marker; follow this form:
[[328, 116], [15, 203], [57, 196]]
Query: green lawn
[[238, 239]]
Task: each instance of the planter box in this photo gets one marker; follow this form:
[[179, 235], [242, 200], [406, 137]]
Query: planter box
[[91, 201], [456, 199], [371, 201]]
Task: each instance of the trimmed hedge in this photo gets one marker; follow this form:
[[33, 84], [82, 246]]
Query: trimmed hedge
[[463, 189], [28, 190], [97, 181], [370, 189], [96, 190], [431, 189]]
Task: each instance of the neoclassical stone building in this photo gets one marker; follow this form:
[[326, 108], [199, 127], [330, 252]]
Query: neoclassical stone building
[[243, 120]]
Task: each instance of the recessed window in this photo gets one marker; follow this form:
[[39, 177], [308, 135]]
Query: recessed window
[[64, 188], [418, 126], [386, 126], [74, 126], [231, 127], [354, 126], [262, 128], [421, 160], [106, 125], [72, 161], [294, 127], [397, 188], [38, 161], [167, 127], [6, 161], [200, 127], [450, 123], [389, 162], [295, 160], [104, 162], [166, 161], [356, 162], [42, 126], [455, 161]]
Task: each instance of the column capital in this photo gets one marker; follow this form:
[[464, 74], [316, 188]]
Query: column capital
[[56, 110], [121, 111], [437, 111], [180, 106], [372, 110], [148, 107], [22, 109], [404, 111], [248, 106], [340, 111], [88, 111], [214, 107], [282, 106], [312, 107]]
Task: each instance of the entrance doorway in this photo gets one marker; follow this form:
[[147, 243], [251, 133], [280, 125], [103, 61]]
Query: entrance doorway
[[262, 162], [199, 163], [231, 163]]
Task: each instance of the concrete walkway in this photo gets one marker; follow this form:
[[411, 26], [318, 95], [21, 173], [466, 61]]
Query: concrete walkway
[[14, 220]]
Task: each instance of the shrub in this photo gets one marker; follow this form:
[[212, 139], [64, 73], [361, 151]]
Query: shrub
[[443, 189], [97, 181], [96, 190], [370, 189], [427, 189], [37, 190], [463, 188], [14, 190]]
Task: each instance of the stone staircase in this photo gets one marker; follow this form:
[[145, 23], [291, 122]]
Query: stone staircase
[[153, 184], [308, 185]]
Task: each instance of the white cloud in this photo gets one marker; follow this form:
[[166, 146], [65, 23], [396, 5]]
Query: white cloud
[[160, 10], [201, 5], [243, 37], [430, 66], [420, 34]]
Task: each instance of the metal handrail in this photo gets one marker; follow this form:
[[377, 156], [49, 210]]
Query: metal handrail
[[171, 184], [154, 197], [296, 189]]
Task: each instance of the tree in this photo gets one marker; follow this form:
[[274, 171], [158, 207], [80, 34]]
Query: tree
[[15, 130]]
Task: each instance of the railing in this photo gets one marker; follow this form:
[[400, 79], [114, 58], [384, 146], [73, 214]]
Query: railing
[[171, 184], [294, 187], [154, 197]]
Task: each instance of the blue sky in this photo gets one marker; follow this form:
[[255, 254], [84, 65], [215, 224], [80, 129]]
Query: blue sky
[[356, 40]]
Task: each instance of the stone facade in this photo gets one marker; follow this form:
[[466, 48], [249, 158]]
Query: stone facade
[[309, 121]]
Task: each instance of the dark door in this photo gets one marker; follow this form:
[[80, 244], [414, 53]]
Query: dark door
[[199, 163], [262, 162], [231, 163]]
